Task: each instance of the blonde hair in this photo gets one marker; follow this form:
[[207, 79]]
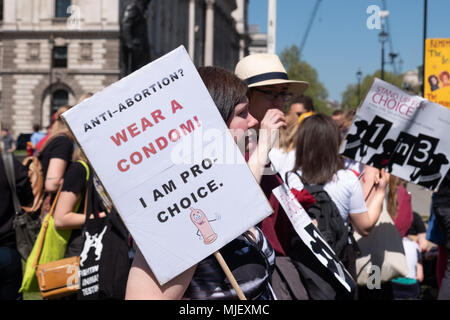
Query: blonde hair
[[78, 154], [58, 127], [287, 135], [392, 202]]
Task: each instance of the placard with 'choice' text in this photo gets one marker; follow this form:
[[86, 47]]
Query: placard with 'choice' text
[[166, 158]]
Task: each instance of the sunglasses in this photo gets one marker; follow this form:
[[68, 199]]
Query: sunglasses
[[271, 95]]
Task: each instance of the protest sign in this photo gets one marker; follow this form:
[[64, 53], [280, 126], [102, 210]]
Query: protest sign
[[403, 133], [311, 236], [437, 71], [177, 212]]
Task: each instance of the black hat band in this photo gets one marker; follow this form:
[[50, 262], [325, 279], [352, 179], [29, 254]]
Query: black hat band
[[267, 76]]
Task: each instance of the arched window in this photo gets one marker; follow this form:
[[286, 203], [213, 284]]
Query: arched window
[[61, 8], [60, 98]]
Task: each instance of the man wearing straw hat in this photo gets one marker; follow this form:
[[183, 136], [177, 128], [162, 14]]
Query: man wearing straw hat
[[269, 90]]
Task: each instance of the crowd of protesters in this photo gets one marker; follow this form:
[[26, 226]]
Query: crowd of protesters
[[268, 261]]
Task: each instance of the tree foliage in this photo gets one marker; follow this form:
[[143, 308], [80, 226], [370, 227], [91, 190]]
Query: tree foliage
[[302, 71], [350, 99]]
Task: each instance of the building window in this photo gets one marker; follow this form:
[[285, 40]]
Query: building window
[[86, 51], [60, 57], [60, 98], [34, 51], [1, 10], [61, 8]]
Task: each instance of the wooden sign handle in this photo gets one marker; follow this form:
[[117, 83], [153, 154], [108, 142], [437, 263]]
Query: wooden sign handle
[[229, 275]]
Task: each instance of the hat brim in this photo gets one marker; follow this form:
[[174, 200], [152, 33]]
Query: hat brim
[[295, 87]]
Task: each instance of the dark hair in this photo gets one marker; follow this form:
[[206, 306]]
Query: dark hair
[[337, 112], [431, 77], [36, 127], [226, 89], [306, 101], [317, 154]]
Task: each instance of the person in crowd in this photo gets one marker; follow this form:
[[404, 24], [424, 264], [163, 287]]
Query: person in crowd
[[355, 166], [418, 232], [408, 287], [56, 153], [441, 208], [206, 280], [69, 210], [300, 105], [282, 158], [36, 136], [318, 162], [269, 89], [10, 260], [339, 119], [9, 144]]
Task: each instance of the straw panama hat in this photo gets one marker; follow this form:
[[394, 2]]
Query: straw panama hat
[[263, 69]]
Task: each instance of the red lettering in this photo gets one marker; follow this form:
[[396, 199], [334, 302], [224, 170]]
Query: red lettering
[[150, 149], [161, 146], [188, 129], [157, 115], [119, 165], [171, 136], [133, 156], [145, 123], [119, 137], [175, 106], [134, 131]]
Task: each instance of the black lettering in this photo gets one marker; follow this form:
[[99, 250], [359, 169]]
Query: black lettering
[[184, 176], [169, 188], [122, 107], [95, 122], [183, 201], [175, 208], [157, 194], [202, 195], [212, 186], [196, 169], [160, 218]]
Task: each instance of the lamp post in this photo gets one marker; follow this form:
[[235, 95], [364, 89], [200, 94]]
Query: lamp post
[[358, 76], [383, 38]]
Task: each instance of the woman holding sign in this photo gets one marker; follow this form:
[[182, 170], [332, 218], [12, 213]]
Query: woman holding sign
[[250, 255]]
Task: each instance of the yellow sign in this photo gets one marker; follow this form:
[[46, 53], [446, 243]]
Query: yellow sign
[[437, 71]]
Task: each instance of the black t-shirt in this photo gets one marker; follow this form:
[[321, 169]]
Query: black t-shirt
[[417, 225], [24, 193], [61, 147], [75, 181]]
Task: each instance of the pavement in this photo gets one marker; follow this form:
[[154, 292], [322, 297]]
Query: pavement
[[420, 198]]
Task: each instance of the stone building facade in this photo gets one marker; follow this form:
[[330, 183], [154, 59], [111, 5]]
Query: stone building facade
[[53, 51]]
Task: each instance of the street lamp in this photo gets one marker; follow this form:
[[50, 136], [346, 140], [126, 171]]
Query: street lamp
[[358, 76], [383, 36]]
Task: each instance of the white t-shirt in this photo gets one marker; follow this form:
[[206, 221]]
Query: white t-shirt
[[344, 189], [412, 253], [282, 161]]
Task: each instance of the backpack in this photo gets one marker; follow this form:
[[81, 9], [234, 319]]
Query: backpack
[[329, 220], [37, 182]]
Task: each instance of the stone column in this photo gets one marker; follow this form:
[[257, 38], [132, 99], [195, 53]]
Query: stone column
[[209, 33]]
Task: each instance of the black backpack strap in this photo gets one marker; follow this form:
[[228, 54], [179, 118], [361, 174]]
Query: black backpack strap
[[9, 170], [286, 175]]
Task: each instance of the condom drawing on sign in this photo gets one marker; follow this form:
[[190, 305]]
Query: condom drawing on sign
[[200, 220]]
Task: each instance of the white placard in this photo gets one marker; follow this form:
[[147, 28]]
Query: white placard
[[405, 134], [162, 151], [311, 236]]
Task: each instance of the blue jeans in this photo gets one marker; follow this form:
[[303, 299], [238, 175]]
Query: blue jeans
[[10, 274]]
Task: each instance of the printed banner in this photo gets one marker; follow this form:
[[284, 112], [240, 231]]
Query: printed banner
[[437, 71], [403, 133], [171, 167], [311, 236]]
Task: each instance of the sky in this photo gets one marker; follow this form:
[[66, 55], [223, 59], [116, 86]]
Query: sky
[[340, 42]]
